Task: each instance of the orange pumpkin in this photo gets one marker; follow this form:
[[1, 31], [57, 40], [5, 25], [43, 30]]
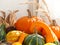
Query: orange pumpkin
[[55, 28], [49, 34], [43, 32], [25, 22]]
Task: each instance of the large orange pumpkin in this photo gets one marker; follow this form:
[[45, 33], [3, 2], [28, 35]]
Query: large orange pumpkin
[[25, 22], [55, 28]]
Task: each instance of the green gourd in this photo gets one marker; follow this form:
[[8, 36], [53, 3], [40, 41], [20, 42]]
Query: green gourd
[[34, 39], [2, 32]]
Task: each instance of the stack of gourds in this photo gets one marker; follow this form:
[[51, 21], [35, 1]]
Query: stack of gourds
[[27, 30]]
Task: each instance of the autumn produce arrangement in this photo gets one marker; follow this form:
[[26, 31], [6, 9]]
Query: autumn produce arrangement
[[27, 30]]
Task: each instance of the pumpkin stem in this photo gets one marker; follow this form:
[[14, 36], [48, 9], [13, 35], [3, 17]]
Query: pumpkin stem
[[54, 23], [35, 31], [29, 13]]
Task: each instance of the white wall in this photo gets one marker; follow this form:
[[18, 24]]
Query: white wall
[[14, 4], [54, 8], [6, 5]]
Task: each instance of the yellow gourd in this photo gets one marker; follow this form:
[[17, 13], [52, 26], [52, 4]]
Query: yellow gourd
[[13, 36], [49, 44], [16, 43]]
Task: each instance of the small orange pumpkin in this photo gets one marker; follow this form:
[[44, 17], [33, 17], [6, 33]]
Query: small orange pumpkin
[[25, 22], [55, 28]]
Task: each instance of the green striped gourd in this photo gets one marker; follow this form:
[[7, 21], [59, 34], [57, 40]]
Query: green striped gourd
[[2, 32], [34, 39]]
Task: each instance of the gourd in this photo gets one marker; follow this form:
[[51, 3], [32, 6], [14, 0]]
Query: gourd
[[24, 23], [34, 39], [55, 28], [21, 39], [50, 36], [13, 36], [2, 32], [16, 43], [49, 44]]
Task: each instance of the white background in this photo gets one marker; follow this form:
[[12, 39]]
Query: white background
[[6, 5], [54, 7]]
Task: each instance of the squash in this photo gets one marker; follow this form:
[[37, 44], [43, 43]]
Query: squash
[[55, 28], [13, 36], [50, 36], [34, 39], [2, 32], [16, 43], [22, 37], [25, 22], [49, 44]]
